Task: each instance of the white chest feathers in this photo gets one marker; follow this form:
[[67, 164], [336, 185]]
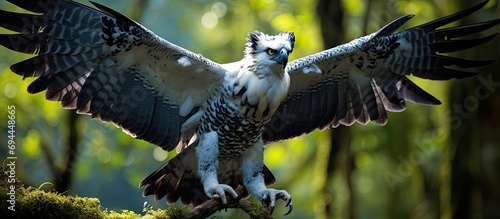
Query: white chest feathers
[[260, 96]]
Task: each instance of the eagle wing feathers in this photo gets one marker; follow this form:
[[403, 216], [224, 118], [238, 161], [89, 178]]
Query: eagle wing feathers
[[360, 80], [100, 62]]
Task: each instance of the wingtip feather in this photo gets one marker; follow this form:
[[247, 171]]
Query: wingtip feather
[[458, 45], [393, 26]]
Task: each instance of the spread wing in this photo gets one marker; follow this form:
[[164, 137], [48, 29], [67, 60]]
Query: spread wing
[[360, 80], [101, 63]]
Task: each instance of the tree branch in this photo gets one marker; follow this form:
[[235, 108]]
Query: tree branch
[[254, 210]]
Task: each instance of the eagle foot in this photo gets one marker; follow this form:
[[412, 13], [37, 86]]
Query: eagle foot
[[270, 197], [220, 190]]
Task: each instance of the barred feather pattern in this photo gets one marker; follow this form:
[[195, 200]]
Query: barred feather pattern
[[360, 80], [84, 60]]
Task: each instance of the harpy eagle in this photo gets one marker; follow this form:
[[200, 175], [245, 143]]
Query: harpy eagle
[[220, 116]]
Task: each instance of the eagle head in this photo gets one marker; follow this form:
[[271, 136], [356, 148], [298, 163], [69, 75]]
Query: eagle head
[[269, 51]]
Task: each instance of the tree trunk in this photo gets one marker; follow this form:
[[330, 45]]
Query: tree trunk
[[474, 138], [331, 16]]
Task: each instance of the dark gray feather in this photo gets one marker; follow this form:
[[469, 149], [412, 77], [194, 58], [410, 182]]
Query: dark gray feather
[[382, 60]]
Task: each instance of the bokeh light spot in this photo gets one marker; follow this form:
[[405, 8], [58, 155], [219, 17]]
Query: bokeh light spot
[[209, 20], [219, 9], [104, 155], [10, 90], [159, 154]]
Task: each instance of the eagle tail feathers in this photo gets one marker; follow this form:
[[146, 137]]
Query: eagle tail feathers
[[178, 179]]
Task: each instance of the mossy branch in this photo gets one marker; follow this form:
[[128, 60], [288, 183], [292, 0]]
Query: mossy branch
[[35, 203], [254, 210]]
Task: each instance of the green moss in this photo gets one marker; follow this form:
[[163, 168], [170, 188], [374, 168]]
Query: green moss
[[125, 214], [36, 203], [173, 212]]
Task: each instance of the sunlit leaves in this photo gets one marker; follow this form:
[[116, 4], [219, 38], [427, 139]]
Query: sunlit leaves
[[354, 7], [29, 143], [283, 22]]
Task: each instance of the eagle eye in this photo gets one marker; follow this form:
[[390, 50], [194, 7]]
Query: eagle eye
[[271, 51]]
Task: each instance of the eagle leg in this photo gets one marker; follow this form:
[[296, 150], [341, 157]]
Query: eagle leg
[[253, 178], [207, 152]]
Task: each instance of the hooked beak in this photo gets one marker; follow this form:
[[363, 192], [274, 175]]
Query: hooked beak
[[282, 58]]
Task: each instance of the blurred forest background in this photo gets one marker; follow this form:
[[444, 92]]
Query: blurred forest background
[[427, 162]]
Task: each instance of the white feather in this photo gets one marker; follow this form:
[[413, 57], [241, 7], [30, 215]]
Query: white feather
[[311, 68], [186, 107], [184, 61]]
